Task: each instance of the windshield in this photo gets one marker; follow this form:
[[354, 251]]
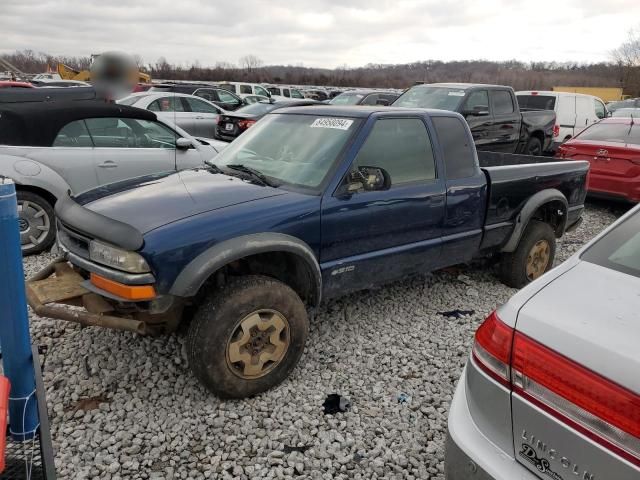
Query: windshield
[[442, 98], [258, 108], [619, 249], [536, 102], [627, 112], [347, 99], [612, 132], [297, 150]]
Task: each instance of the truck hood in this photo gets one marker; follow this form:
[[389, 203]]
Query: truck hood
[[590, 314], [152, 201]]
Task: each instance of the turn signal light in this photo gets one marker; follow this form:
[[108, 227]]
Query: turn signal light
[[134, 293]]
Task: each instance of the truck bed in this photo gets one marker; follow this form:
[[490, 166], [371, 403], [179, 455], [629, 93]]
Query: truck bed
[[512, 179]]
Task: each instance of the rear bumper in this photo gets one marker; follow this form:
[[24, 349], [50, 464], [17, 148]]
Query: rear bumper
[[469, 454]]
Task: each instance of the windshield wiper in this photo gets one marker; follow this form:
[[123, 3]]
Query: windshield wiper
[[252, 172], [213, 166]]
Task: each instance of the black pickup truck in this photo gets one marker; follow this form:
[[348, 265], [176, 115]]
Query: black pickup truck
[[314, 203], [496, 122]]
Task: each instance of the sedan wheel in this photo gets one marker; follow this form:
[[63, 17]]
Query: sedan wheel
[[35, 221]]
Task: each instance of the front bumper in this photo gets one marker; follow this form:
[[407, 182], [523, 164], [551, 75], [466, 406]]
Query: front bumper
[[469, 454], [61, 291]]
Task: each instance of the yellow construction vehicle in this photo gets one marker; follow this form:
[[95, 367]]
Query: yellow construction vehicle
[[68, 73]]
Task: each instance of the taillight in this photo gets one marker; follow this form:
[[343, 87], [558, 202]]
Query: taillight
[[556, 130], [492, 348], [600, 409], [244, 124], [597, 407]]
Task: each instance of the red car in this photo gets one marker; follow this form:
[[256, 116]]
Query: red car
[[12, 84], [612, 147]]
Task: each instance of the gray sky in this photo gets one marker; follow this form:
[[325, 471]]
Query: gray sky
[[322, 33]]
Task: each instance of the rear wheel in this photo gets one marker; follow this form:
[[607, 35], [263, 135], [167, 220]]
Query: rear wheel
[[532, 258], [36, 222], [247, 336], [534, 146]]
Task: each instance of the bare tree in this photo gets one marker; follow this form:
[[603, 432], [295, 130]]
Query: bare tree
[[627, 59], [250, 63]]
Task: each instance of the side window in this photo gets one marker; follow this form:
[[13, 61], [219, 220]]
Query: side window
[[74, 134], [477, 101], [226, 97], [245, 89], [600, 111], [459, 160], [371, 99], [200, 106], [502, 102], [166, 104], [402, 147], [286, 93], [296, 94], [206, 94], [130, 133], [261, 91]]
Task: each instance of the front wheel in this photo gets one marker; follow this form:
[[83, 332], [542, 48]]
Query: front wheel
[[247, 337], [533, 256], [36, 222]]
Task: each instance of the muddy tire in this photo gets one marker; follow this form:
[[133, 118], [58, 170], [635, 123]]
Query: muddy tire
[[533, 257], [247, 336], [36, 221], [533, 147]]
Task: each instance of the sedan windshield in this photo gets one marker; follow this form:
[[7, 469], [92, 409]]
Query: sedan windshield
[[442, 98], [612, 132], [297, 150], [347, 99], [619, 249]]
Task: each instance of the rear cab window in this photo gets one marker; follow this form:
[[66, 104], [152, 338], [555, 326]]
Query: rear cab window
[[619, 249], [536, 102], [459, 159]]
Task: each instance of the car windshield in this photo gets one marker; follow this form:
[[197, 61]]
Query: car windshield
[[536, 102], [296, 150], [131, 99], [347, 99], [619, 249], [612, 132], [627, 112], [258, 108], [443, 98]]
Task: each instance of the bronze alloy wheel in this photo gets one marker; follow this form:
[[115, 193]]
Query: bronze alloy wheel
[[258, 344], [538, 259]]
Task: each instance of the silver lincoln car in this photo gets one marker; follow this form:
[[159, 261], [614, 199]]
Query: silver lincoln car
[[552, 386]]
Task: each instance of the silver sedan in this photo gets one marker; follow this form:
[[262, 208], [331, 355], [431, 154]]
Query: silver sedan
[[552, 388], [195, 115]]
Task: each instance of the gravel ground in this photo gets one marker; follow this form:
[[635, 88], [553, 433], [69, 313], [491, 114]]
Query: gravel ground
[[122, 406]]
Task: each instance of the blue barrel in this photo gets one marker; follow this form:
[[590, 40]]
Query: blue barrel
[[15, 339]]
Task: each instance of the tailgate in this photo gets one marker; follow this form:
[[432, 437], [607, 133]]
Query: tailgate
[[589, 319]]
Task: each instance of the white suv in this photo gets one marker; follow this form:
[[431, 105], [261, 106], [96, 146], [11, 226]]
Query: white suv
[[244, 88], [574, 111]]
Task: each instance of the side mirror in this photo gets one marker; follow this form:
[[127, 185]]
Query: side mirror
[[184, 144], [369, 179], [382, 101]]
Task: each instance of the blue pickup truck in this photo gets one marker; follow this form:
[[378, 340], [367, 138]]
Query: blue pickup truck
[[310, 203]]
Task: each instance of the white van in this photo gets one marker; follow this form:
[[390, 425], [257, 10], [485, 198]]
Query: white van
[[244, 88], [284, 91], [574, 111]]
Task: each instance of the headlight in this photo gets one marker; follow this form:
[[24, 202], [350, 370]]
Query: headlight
[[117, 258]]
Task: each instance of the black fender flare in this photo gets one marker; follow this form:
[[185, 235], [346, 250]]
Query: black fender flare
[[196, 273], [533, 204]]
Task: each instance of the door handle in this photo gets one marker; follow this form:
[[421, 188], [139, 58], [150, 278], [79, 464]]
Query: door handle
[[108, 164]]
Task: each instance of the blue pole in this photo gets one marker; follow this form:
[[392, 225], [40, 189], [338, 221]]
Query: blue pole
[[15, 339]]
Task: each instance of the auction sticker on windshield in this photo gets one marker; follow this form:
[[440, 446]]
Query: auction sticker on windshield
[[454, 93], [339, 123]]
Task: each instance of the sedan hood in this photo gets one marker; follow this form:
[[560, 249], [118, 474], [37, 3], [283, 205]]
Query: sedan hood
[[150, 202], [590, 314]]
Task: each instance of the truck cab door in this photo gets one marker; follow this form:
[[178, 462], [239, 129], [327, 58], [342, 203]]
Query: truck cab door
[[506, 122], [477, 112], [373, 236]]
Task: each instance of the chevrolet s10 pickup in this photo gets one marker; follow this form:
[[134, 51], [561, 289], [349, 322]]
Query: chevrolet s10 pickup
[[309, 204]]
